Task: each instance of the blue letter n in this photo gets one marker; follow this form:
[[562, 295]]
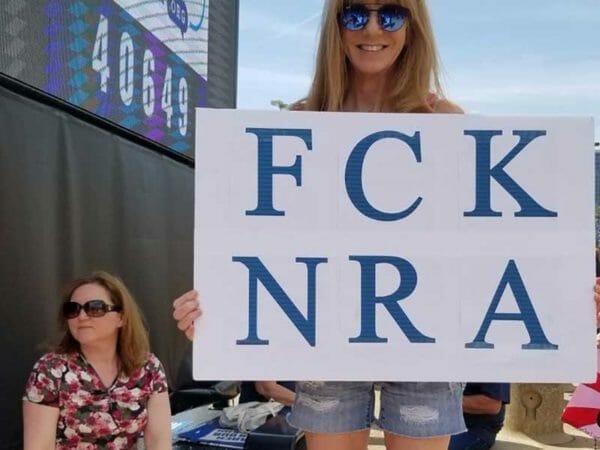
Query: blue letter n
[[538, 340], [257, 271]]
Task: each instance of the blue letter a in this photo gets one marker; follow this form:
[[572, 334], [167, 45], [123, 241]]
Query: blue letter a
[[538, 340], [257, 271]]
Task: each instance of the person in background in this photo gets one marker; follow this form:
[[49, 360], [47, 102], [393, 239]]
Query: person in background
[[484, 409], [597, 290], [100, 387], [263, 391]]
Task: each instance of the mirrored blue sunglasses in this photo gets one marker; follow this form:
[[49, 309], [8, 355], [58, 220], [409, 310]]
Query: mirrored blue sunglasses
[[390, 17]]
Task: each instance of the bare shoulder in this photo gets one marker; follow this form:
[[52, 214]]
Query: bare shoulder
[[300, 105], [444, 106]]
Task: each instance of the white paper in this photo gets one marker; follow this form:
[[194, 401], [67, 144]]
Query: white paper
[[459, 260]]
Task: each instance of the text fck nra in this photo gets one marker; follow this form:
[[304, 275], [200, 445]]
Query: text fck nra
[[355, 189]]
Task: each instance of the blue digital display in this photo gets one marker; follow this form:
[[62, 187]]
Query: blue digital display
[[142, 65]]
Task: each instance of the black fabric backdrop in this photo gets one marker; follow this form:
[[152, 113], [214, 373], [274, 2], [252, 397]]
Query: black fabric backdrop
[[73, 198]]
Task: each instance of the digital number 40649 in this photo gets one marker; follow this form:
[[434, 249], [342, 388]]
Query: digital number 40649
[[126, 76]]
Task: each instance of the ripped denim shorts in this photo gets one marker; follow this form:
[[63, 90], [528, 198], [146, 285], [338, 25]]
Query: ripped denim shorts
[[416, 410]]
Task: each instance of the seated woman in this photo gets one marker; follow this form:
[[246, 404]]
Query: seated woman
[[263, 391], [101, 387]]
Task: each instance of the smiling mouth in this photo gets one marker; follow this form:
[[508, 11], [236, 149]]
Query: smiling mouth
[[371, 48]]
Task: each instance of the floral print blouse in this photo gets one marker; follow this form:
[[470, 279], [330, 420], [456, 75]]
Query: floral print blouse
[[93, 416]]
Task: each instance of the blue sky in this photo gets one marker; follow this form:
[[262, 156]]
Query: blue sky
[[499, 57]]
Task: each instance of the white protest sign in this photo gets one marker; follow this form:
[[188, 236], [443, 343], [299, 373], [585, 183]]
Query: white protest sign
[[347, 246]]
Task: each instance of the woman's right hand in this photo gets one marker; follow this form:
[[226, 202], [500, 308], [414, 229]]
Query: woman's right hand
[[186, 309]]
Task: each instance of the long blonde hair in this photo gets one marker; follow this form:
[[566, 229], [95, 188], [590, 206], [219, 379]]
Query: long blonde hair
[[417, 67], [132, 344]]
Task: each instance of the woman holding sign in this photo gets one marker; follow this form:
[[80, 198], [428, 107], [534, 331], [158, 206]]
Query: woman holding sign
[[373, 56]]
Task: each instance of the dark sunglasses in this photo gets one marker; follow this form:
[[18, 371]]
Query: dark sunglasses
[[93, 308], [390, 17]]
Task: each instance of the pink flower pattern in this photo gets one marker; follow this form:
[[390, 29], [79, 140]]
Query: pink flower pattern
[[93, 416]]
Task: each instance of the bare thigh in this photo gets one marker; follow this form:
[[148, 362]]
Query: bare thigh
[[356, 440], [397, 442]]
